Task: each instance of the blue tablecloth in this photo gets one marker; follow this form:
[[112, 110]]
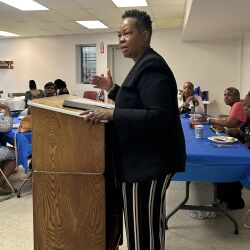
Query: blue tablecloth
[[24, 145], [211, 164]]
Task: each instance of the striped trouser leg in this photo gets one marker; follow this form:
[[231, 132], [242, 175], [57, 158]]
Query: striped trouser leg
[[144, 213]]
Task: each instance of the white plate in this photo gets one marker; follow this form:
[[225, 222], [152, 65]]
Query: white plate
[[21, 117], [195, 116], [222, 139]]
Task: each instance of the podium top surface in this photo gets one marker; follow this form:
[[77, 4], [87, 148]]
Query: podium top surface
[[55, 103]]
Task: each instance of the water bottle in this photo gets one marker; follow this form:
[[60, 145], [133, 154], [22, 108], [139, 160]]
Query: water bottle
[[101, 96], [192, 109], [180, 99]]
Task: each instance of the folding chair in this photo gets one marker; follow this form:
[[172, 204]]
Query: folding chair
[[93, 95], [28, 176], [8, 196]]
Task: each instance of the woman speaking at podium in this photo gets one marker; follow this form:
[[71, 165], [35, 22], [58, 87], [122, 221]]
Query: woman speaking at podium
[[149, 140]]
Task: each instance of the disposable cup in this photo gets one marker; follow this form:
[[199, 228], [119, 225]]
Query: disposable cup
[[198, 131]]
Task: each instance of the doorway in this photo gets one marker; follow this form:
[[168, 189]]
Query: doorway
[[119, 65]]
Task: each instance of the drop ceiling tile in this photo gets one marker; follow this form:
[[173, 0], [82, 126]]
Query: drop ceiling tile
[[106, 13], [7, 27], [38, 32], [113, 24], [165, 2], [62, 14], [6, 8], [95, 3], [68, 25], [44, 25], [77, 15], [47, 15], [169, 22], [10, 21], [100, 31], [59, 4], [69, 32], [32, 32], [168, 11], [147, 9], [49, 25]]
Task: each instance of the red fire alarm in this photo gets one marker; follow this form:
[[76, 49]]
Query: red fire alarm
[[101, 48]]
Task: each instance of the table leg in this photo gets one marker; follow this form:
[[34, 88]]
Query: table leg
[[29, 176], [216, 207], [179, 206], [221, 209], [205, 107]]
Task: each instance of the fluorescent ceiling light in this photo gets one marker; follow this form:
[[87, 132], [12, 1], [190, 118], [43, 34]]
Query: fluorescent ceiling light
[[4, 33], [92, 24], [130, 3], [25, 4]]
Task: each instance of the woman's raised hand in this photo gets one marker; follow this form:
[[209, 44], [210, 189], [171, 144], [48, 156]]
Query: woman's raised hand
[[191, 98], [185, 105], [102, 82]]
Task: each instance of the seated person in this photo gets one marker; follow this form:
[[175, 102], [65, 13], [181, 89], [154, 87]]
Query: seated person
[[33, 93], [49, 89], [188, 102], [243, 132], [230, 193], [236, 115], [61, 87], [7, 154]]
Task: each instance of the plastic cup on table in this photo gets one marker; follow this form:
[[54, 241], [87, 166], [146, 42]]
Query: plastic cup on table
[[198, 131]]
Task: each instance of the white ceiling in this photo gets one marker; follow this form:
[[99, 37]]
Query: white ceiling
[[204, 19], [59, 20], [217, 19]]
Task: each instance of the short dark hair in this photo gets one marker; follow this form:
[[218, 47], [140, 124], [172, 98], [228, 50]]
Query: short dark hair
[[235, 92], [49, 84], [143, 19], [60, 83], [32, 84]]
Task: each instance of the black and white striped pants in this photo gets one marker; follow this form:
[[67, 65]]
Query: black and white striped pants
[[144, 213]]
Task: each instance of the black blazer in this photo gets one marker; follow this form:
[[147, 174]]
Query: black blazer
[[149, 136]]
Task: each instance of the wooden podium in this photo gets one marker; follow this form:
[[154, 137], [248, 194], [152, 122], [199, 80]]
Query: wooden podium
[[73, 180]]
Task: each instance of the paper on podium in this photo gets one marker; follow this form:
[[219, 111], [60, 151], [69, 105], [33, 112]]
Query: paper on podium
[[86, 104]]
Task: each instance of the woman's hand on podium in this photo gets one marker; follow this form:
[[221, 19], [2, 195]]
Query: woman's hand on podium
[[98, 115]]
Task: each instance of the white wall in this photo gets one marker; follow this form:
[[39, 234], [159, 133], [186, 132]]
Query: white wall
[[212, 65], [46, 59], [245, 64]]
